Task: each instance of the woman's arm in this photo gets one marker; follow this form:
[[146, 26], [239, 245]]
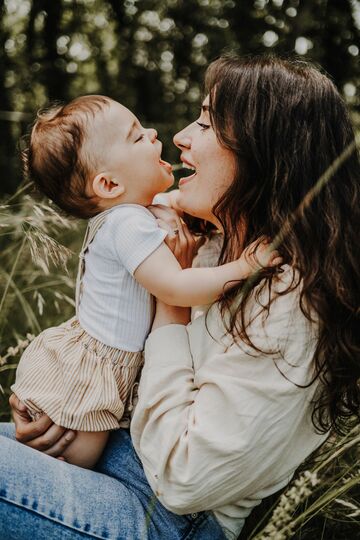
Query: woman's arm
[[42, 434], [217, 423], [166, 314]]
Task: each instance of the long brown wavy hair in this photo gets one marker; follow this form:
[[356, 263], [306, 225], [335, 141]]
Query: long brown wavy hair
[[286, 124]]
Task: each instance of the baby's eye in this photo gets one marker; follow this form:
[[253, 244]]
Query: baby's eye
[[203, 126], [139, 138]]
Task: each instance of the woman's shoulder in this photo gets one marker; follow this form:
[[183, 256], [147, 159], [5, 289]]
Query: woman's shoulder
[[288, 279], [278, 303], [278, 322], [274, 320]]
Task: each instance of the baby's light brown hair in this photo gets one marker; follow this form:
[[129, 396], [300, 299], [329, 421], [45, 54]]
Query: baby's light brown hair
[[54, 159]]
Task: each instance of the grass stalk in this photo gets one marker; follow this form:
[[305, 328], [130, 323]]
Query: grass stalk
[[10, 277]]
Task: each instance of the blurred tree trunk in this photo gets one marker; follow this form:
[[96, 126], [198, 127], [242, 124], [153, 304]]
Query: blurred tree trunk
[[119, 12], [42, 48], [246, 28], [30, 31], [8, 157], [337, 32], [125, 29], [54, 72]]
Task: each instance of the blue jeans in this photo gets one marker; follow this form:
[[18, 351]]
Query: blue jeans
[[42, 498]]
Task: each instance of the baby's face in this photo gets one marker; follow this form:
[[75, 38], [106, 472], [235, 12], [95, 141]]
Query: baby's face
[[130, 153]]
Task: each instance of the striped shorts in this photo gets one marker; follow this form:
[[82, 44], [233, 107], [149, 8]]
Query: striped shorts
[[79, 382]]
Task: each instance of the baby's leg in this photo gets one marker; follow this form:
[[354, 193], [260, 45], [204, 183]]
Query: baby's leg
[[86, 448]]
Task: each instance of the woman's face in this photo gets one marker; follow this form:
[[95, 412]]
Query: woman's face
[[214, 167]]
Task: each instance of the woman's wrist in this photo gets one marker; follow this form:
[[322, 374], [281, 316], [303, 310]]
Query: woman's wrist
[[166, 314]]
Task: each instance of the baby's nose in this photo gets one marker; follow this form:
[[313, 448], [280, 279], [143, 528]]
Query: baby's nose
[[152, 134]]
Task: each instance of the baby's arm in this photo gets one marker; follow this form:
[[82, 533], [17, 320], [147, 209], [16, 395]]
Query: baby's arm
[[162, 276]]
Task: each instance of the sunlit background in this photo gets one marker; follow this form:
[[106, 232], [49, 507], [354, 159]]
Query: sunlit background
[[151, 54]]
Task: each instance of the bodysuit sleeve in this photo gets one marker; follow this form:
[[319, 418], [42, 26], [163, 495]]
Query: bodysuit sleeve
[[135, 235]]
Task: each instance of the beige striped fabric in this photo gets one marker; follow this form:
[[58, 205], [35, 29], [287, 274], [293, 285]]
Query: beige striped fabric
[[77, 381]]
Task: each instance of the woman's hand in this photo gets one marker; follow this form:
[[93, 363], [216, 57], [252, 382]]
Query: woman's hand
[[42, 434], [179, 238], [184, 246]]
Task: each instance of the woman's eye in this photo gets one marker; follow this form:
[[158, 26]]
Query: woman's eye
[[203, 126]]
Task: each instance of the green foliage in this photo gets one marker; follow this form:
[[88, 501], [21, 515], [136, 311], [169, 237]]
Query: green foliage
[[151, 54]]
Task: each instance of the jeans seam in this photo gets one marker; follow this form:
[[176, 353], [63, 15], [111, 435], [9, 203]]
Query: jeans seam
[[65, 525], [195, 527]]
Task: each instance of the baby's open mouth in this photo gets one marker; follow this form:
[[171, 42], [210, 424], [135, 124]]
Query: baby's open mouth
[[165, 164]]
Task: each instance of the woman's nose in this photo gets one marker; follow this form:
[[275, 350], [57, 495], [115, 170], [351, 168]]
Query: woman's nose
[[152, 134], [182, 139]]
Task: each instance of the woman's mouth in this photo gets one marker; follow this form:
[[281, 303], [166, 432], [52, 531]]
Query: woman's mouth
[[186, 179]]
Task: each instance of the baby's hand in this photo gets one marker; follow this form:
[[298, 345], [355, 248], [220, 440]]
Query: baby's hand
[[169, 199], [162, 198], [257, 255]]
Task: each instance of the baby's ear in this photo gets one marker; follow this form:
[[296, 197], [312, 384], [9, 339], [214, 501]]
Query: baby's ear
[[106, 186]]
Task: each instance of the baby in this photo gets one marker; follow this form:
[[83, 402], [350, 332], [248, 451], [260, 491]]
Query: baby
[[94, 159]]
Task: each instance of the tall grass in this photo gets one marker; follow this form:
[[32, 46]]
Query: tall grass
[[323, 500], [36, 277]]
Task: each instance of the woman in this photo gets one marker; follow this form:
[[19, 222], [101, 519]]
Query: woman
[[232, 403]]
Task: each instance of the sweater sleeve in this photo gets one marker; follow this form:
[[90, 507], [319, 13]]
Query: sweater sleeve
[[226, 430]]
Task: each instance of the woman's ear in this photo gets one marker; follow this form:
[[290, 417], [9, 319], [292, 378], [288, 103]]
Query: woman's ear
[[106, 186]]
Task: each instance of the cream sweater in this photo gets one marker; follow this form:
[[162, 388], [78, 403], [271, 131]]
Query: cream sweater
[[219, 426]]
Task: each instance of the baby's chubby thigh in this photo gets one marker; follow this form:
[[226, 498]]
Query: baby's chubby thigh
[[86, 449]]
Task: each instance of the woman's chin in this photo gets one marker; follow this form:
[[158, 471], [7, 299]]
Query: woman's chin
[[181, 202], [189, 208]]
